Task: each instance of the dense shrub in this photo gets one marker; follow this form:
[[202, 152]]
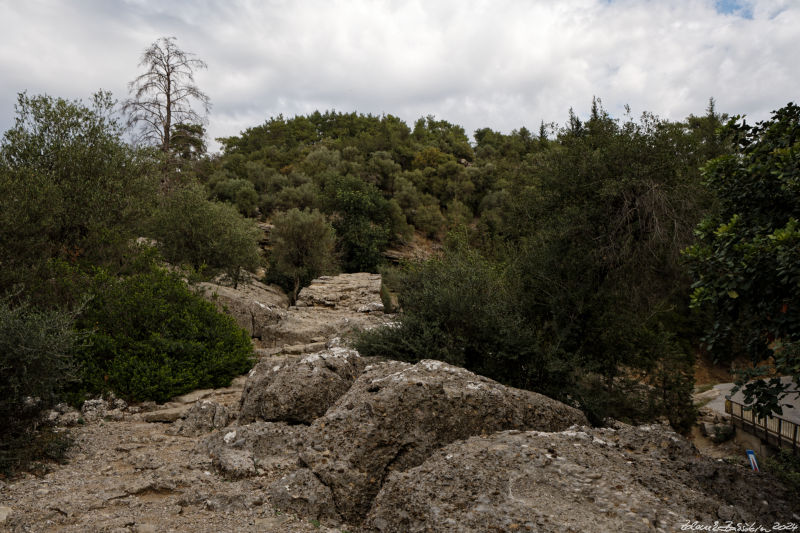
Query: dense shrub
[[785, 466], [457, 309], [71, 192], [239, 192], [467, 310], [302, 249], [429, 220], [35, 361], [363, 221], [151, 338], [205, 235]]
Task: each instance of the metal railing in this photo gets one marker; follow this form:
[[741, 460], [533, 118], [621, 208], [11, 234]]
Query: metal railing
[[774, 430]]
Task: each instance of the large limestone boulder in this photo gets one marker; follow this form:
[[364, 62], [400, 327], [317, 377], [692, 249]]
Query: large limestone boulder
[[625, 479], [305, 325], [298, 390], [396, 414], [359, 292], [255, 307], [302, 492], [332, 306]]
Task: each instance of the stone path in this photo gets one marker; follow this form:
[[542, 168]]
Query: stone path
[[127, 474], [131, 476]]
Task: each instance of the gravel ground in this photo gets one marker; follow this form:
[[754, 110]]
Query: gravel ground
[[130, 476]]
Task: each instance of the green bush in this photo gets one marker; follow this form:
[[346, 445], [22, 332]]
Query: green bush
[[151, 338], [239, 192], [363, 221], [429, 220], [303, 248], [467, 310], [457, 309], [35, 361], [204, 234], [723, 434], [71, 193], [458, 214]]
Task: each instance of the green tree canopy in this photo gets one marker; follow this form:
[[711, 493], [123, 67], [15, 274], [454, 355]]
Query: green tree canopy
[[302, 247], [205, 234], [363, 221], [70, 190], [746, 261]]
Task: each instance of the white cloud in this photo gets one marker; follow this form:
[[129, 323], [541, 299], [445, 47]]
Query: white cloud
[[498, 64]]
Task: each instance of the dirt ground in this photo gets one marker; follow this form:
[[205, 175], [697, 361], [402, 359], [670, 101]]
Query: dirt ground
[[706, 372], [130, 476]]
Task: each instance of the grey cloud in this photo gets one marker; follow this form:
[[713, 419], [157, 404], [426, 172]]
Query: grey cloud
[[499, 64]]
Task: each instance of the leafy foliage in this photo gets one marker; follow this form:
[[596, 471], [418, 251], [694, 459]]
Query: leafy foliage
[[73, 199], [565, 275], [362, 219], [35, 357], [465, 309], [71, 193], [303, 248], [206, 235], [293, 163], [785, 466], [579, 257], [150, 338], [746, 261], [457, 309]]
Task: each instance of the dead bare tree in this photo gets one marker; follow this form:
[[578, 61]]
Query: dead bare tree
[[162, 96]]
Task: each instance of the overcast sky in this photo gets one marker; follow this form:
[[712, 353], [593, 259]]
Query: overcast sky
[[500, 64]]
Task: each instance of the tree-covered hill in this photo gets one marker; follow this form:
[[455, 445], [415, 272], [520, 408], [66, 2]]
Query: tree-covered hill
[[562, 265]]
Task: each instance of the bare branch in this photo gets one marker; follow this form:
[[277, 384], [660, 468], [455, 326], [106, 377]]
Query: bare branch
[[163, 95]]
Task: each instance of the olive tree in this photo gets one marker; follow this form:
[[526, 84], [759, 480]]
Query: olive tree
[[204, 234], [303, 244], [71, 191]]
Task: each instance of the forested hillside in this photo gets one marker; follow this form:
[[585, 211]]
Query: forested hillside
[[562, 265], [559, 268]]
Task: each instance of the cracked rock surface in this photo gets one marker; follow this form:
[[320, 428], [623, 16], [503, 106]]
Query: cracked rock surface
[[318, 439], [299, 389], [395, 415], [626, 479]]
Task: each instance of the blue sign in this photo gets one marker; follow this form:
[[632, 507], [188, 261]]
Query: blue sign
[[753, 463]]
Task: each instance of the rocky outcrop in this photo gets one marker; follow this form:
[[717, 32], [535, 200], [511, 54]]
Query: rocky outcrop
[[390, 447], [303, 325], [358, 292], [99, 409], [203, 417], [303, 492], [62, 415], [330, 307], [395, 415], [624, 479], [298, 389], [255, 307], [255, 449]]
